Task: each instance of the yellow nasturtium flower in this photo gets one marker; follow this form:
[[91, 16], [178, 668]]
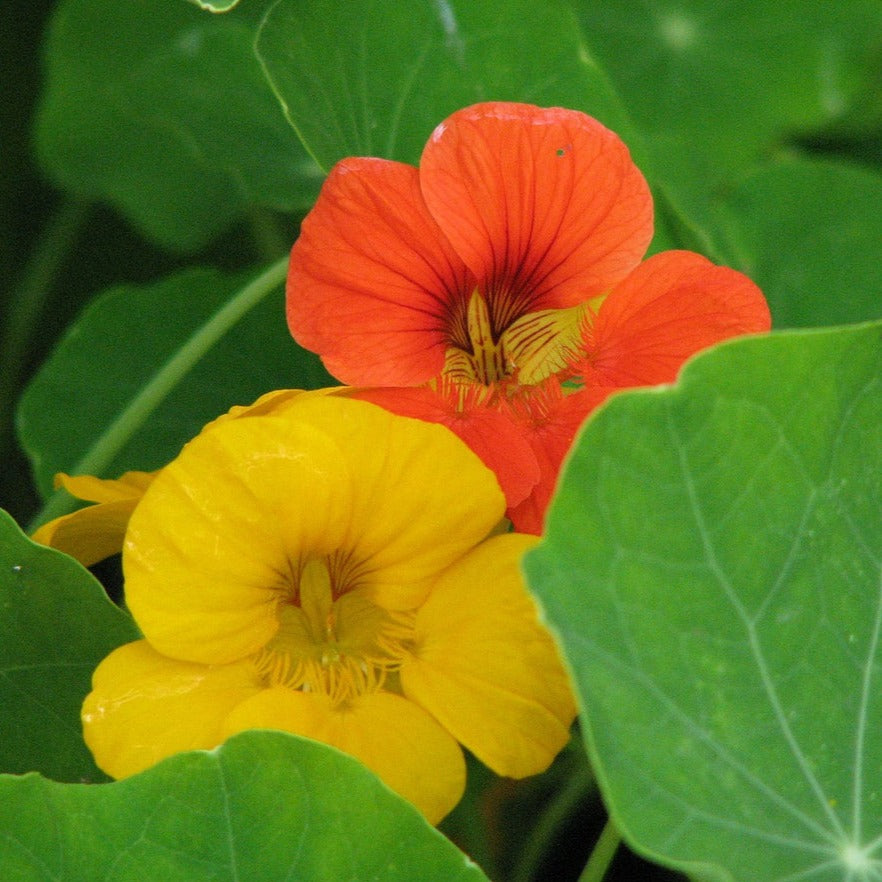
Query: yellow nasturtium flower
[[331, 569], [95, 532]]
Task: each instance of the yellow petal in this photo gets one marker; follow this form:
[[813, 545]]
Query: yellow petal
[[215, 544], [393, 737], [542, 343], [89, 534], [96, 531], [485, 667], [219, 538], [421, 498], [144, 707], [129, 485]]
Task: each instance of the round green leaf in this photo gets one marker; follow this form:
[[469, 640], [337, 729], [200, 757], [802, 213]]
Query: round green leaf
[[56, 624], [809, 233], [165, 112], [263, 806], [712, 566], [369, 78], [144, 368]]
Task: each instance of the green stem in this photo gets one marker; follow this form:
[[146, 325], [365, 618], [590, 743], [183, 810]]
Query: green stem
[[120, 431], [603, 854], [28, 299], [541, 836]]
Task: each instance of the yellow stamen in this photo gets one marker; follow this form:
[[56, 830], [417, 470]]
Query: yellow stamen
[[342, 647]]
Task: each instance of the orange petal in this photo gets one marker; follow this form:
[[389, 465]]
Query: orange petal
[[544, 203], [372, 277], [549, 420], [672, 306], [489, 432], [144, 707], [392, 736], [485, 667]]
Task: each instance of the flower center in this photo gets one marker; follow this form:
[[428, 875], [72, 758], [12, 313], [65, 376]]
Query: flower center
[[333, 640], [484, 360], [530, 348]]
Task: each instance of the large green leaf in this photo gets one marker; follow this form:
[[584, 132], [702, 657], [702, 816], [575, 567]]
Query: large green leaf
[[144, 368], [369, 78], [165, 112], [712, 566], [715, 86], [809, 233], [56, 624], [216, 5], [264, 806]]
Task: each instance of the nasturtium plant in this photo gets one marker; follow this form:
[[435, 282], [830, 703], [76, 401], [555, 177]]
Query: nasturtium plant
[[56, 625], [827, 214], [264, 806], [198, 342], [416, 63], [743, 67], [712, 569], [217, 5], [177, 107], [498, 218]]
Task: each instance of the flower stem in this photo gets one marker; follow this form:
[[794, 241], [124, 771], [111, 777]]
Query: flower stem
[[603, 854], [580, 785], [140, 408]]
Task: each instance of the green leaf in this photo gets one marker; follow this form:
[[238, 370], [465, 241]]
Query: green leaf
[[165, 112], [809, 233], [712, 566], [714, 87], [217, 5], [56, 624], [144, 368], [369, 78], [263, 806]]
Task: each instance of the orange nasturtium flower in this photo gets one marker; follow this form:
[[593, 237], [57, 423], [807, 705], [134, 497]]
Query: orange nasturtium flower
[[331, 569], [498, 288]]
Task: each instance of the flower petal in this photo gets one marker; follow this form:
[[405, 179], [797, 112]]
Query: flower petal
[[549, 420], [485, 668], [487, 430], [546, 342], [144, 707], [672, 306], [393, 737], [89, 534], [210, 549], [220, 536], [544, 202], [420, 497], [95, 532], [129, 485], [372, 277]]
